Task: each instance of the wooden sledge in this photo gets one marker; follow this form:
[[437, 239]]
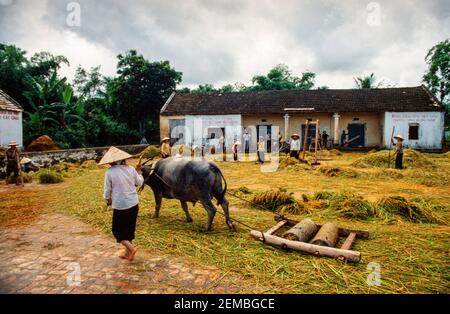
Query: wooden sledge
[[343, 253]]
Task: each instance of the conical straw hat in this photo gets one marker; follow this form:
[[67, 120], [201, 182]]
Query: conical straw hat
[[399, 136], [25, 160], [114, 154]]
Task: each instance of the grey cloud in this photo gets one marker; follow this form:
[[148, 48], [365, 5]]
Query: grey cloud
[[205, 39]]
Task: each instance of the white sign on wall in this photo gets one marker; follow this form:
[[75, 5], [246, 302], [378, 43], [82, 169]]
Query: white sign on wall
[[199, 125], [10, 127], [430, 128]]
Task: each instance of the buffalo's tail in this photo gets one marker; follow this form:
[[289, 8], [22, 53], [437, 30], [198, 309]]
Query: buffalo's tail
[[221, 197]]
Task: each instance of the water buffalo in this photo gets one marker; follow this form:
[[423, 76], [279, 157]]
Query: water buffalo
[[188, 181]]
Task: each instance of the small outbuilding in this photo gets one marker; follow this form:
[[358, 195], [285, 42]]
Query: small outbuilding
[[10, 120], [366, 115]]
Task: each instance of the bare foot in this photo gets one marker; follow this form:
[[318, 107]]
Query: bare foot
[[123, 254], [131, 255]]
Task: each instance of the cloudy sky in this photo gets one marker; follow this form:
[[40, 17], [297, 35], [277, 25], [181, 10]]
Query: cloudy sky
[[228, 41]]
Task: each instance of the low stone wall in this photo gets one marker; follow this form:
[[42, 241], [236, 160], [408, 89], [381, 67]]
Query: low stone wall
[[49, 158]]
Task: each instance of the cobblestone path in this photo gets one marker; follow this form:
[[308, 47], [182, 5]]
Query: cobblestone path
[[60, 254]]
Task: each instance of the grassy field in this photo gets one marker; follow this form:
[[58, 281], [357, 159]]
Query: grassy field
[[414, 257]]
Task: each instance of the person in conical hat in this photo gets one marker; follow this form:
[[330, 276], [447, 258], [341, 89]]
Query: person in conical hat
[[398, 151], [295, 146], [166, 150], [28, 165], [12, 162], [121, 181], [114, 155]]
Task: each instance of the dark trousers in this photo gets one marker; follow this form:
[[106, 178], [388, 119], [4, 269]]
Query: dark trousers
[[235, 156], [247, 147], [399, 161], [261, 157], [124, 223], [12, 167], [295, 154]]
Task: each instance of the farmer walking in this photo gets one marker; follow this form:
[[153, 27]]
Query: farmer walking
[[165, 148], [398, 151], [295, 146], [13, 164], [121, 181]]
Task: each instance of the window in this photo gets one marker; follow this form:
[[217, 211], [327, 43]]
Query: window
[[413, 133]]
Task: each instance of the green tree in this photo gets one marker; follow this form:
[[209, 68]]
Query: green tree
[[227, 88], [367, 82], [140, 89], [207, 88], [13, 73], [43, 64], [437, 77], [184, 90], [281, 78], [90, 83]]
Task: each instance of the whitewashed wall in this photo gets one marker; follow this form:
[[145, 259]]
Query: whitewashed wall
[[11, 127], [431, 128], [198, 125]]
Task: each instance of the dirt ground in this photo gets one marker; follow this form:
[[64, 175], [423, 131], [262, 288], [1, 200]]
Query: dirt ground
[[45, 227]]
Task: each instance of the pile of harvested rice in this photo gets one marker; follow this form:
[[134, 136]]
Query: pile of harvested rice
[[150, 152], [277, 200], [411, 159], [337, 171], [416, 210], [42, 143], [47, 176]]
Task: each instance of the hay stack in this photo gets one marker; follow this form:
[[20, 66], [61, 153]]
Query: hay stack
[[411, 159], [279, 201], [41, 144], [150, 152]]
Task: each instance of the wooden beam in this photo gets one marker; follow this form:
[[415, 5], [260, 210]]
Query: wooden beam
[[343, 232], [305, 139], [303, 231], [348, 255], [328, 235], [275, 228], [349, 241]]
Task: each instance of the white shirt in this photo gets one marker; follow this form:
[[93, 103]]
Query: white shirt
[[295, 144], [120, 186], [261, 146]]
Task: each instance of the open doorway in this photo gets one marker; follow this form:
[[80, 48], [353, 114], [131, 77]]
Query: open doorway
[[215, 140], [266, 132], [310, 136], [356, 131]]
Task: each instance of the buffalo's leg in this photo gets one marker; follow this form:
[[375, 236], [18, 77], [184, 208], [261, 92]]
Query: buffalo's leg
[[186, 211], [228, 221], [158, 201], [211, 210]]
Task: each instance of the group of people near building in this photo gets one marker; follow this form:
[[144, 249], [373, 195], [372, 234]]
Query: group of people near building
[[293, 147]]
